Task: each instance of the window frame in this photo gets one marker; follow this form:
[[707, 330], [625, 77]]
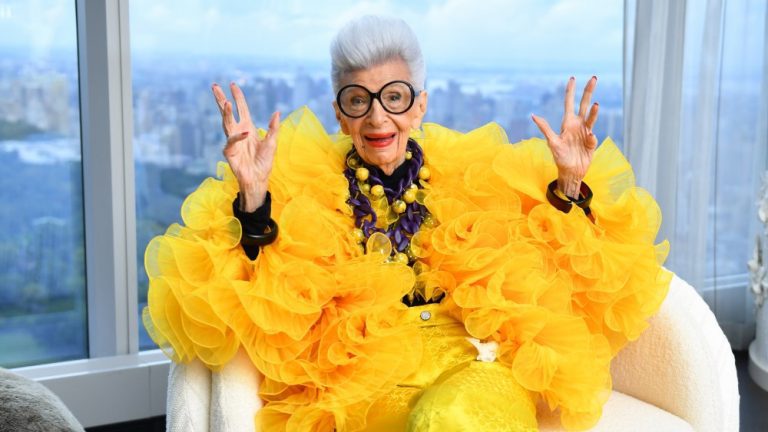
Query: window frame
[[117, 373], [108, 176]]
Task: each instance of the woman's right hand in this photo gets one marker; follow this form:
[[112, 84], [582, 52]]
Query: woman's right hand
[[249, 156]]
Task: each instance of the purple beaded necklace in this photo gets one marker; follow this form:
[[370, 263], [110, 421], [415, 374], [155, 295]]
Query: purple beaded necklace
[[409, 221]]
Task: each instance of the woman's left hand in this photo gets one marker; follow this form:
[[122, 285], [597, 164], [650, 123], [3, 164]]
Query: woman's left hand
[[574, 147]]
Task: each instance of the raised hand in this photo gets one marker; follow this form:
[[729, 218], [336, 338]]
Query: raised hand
[[249, 156], [574, 147]]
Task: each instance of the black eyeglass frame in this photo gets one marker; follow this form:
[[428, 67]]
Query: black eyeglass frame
[[377, 96]]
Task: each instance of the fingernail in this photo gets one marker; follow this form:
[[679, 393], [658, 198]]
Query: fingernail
[[597, 104], [244, 133], [594, 77], [572, 78]]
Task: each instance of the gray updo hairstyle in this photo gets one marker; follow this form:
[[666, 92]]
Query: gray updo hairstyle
[[371, 40]]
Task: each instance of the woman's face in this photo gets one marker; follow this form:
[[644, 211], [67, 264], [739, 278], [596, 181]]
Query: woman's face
[[380, 137]]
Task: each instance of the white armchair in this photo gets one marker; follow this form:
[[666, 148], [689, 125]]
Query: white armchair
[[679, 376]]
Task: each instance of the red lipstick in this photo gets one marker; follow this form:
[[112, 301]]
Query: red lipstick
[[379, 140]]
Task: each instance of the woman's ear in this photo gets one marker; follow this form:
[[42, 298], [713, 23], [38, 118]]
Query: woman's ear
[[341, 119], [420, 109]]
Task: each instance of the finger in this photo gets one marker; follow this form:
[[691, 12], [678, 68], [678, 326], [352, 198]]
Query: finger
[[592, 118], [274, 128], [220, 97], [228, 120], [242, 105], [569, 95], [591, 141], [586, 98], [544, 128], [234, 139]]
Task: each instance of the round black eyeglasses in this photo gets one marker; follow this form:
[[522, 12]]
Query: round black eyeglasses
[[395, 97]]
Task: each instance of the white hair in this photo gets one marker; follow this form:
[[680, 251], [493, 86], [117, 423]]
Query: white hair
[[371, 40]]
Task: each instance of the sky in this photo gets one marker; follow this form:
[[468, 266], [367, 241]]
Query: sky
[[38, 26], [452, 32]]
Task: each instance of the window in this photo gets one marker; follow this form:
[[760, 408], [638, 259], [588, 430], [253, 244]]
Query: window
[[486, 61], [739, 159], [697, 141], [154, 147], [42, 268]]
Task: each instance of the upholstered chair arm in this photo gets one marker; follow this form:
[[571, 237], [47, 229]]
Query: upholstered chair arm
[[203, 401], [683, 364], [189, 398]]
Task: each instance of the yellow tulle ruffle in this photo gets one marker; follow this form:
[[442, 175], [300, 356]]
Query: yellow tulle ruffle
[[324, 323]]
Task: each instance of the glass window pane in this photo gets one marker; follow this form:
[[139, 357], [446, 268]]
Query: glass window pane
[[42, 269], [486, 61], [740, 159]]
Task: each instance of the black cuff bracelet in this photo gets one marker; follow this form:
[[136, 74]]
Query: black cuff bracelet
[[269, 236], [585, 198]]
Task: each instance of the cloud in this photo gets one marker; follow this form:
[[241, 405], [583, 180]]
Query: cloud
[[504, 31], [38, 26], [451, 31]]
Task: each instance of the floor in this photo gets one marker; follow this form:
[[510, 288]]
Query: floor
[[754, 406], [154, 424], [754, 400]]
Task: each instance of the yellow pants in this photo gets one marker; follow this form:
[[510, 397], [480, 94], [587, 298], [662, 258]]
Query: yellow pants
[[451, 390]]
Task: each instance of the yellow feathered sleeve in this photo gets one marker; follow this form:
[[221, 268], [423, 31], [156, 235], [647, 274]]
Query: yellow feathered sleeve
[[561, 294], [322, 322]]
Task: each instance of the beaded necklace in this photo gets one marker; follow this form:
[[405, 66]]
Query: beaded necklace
[[386, 218]]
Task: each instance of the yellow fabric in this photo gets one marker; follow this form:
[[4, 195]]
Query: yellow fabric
[[325, 325], [450, 390]]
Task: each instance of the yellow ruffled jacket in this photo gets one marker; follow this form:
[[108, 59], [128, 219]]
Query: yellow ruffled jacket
[[325, 324]]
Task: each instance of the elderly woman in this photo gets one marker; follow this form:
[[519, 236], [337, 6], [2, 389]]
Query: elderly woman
[[400, 277]]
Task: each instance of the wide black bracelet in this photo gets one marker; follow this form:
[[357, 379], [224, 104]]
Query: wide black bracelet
[[269, 236], [584, 200]]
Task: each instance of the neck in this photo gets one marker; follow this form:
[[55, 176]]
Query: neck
[[389, 168]]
